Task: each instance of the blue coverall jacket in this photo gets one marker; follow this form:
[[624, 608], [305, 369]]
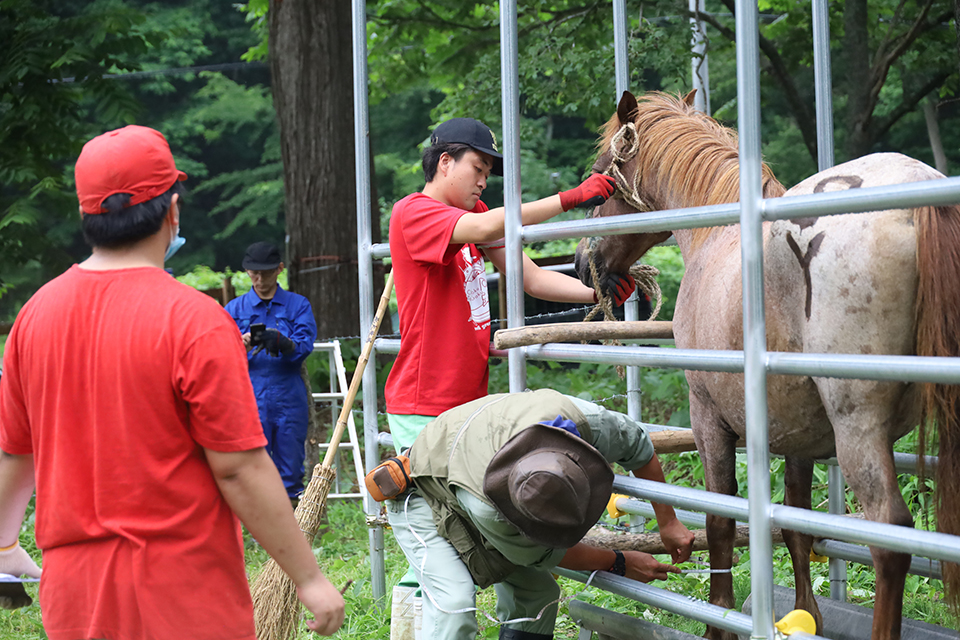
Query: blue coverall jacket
[[281, 395]]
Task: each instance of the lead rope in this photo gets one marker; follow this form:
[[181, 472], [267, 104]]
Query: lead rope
[[624, 147]]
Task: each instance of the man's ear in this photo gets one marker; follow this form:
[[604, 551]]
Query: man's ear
[[280, 268], [445, 162], [174, 211]]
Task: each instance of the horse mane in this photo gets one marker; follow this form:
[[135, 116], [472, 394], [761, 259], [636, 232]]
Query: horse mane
[[684, 151]]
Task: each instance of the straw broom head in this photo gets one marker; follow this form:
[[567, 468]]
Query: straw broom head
[[276, 607], [275, 604]]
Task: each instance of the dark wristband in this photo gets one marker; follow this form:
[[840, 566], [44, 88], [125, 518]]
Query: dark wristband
[[619, 566]]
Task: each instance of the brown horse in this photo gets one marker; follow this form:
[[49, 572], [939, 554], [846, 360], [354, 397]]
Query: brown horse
[[873, 283]]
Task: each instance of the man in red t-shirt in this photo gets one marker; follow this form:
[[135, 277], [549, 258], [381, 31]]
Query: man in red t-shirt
[[440, 280], [125, 402]]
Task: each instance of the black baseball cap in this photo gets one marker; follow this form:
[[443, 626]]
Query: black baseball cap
[[261, 256], [472, 133]]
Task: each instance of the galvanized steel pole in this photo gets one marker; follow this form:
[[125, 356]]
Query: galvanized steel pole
[[361, 133], [620, 49], [823, 85], [510, 90], [754, 325], [631, 308], [699, 62]]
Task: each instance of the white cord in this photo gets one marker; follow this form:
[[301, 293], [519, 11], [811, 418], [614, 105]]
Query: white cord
[[495, 621]]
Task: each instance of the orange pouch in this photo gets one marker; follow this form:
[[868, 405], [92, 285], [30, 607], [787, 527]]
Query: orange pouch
[[390, 479]]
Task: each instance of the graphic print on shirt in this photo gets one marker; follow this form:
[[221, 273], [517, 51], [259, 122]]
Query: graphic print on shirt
[[475, 288]]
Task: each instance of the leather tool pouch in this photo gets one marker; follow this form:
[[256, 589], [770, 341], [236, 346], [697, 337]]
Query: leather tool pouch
[[390, 479]]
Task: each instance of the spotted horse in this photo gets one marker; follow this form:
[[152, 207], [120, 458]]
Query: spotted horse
[[886, 282]]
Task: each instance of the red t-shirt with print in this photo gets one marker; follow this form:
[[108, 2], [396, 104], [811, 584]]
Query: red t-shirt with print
[[444, 310]]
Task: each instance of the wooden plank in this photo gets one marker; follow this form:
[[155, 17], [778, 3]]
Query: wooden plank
[[577, 331]]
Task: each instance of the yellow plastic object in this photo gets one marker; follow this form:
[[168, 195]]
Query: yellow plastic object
[[817, 558], [612, 509], [797, 620]]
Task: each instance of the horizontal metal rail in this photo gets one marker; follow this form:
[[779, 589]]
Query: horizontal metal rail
[[863, 367], [919, 565], [930, 192], [686, 606], [903, 539]]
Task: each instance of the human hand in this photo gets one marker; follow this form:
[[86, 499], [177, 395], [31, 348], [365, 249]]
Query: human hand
[[619, 286], [643, 567], [276, 343], [17, 562], [323, 600], [677, 539], [592, 192], [246, 341]]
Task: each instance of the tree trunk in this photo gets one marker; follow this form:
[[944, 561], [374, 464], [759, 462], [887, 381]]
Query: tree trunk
[[933, 132], [856, 65], [312, 77], [956, 24]]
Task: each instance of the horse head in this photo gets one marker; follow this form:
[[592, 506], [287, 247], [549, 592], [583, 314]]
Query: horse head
[[621, 155]]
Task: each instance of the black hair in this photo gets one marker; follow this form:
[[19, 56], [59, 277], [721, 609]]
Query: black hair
[[431, 156], [121, 225]]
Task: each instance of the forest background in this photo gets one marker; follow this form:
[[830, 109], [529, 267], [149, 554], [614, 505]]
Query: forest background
[[218, 81], [201, 71]]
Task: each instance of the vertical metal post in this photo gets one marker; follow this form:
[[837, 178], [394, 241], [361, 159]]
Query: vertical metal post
[[823, 84], [510, 89], [631, 311], [699, 61], [825, 159], [620, 57], [754, 325], [361, 131], [630, 308]]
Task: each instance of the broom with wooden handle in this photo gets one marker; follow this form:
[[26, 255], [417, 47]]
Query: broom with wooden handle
[[276, 608]]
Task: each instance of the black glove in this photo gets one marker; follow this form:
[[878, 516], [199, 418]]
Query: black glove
[[618, 286], [276, 343]]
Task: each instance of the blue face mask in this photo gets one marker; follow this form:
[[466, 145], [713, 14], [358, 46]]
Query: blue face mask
[[174, 245]]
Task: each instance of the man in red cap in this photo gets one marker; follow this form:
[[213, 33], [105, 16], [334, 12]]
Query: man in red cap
[[125, 402]]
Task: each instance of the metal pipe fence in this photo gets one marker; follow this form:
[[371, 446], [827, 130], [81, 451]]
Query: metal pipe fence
[[754, 361]]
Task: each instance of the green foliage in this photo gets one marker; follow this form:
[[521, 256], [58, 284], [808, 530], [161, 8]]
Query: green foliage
[[204, 278], [51, 81]]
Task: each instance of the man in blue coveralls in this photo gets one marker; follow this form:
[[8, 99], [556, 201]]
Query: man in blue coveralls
[[275, 360]]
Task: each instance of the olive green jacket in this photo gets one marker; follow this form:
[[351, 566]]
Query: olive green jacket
[[453, 451]]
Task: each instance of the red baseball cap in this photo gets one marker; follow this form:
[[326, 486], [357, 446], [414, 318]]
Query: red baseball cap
[[134, 160]]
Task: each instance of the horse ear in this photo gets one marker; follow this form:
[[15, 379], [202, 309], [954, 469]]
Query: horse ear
[[627, 109], [688, 99]]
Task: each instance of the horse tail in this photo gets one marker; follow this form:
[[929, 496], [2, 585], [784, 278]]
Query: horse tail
[[938, 334]]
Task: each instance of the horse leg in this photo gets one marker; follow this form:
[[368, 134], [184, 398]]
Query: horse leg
[[798, 478], [867, 463], [717, 447]]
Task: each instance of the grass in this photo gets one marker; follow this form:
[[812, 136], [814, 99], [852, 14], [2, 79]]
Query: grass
[[342, 546]]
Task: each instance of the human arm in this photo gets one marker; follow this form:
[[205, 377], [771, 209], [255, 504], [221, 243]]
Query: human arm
[[489, 225], [640, 566], [251, 485], [676, 538], [543, 283], [16, 486], [296, 330], [621, 439]]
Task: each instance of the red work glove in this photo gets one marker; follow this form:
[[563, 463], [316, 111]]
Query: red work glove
[[619, 286], [592, 192]]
